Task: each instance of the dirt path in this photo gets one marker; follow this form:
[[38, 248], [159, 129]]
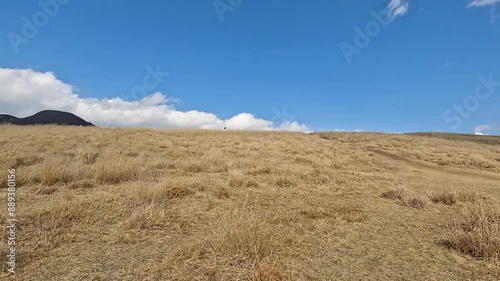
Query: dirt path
[[437, 169]]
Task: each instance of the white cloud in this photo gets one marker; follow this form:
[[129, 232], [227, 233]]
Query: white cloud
[[24, 92], [481, 128], [482, 3], [293, 127], [480, 134], [397, 8]]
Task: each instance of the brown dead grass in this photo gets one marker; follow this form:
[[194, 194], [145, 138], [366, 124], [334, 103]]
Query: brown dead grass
[[271, 273], [137, 204], [156, 217], [451, 197], [406, 197], [342, 213], [239, 244], [477, 234], [453, 150]]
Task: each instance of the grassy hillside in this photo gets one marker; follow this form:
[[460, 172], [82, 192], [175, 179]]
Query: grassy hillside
[[137, 204], [493, 140]]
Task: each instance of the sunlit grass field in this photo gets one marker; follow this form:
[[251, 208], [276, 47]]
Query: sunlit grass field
[[144, 204]]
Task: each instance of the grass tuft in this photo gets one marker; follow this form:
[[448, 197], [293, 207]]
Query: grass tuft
[[477, 234], [451, 197], [240, 244], [343, 213], [406, 198]]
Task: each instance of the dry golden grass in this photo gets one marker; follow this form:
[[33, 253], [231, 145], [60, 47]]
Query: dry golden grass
[[342, 213], [406, 198], [454, 151], [478, 233], [144, 204], [239, 245], [451, 197], [463, 137]]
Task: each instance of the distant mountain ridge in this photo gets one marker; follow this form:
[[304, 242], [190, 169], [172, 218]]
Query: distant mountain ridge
[[46, 117]]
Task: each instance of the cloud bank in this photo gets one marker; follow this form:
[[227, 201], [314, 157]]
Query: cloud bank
[[24, 92]]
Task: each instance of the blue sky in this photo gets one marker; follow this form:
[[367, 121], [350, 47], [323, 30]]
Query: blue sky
[[280, 61]]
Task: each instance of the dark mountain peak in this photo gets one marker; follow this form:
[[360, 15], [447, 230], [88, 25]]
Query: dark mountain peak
[[46, 117], [6, 118], [49, 112]]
